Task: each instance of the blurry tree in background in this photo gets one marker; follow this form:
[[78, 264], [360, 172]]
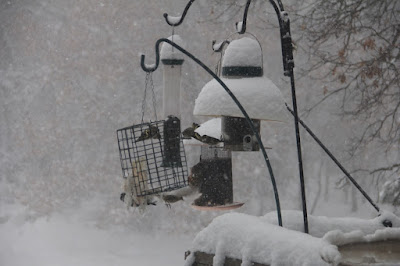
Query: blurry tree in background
[[355, 49]]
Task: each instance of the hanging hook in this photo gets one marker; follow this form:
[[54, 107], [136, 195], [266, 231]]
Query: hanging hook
[[241, 27], [218, 47], [176, 21]]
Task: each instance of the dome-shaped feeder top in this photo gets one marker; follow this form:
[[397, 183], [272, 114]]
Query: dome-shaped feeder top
[[261, 99], [243, 57], [169, 55]]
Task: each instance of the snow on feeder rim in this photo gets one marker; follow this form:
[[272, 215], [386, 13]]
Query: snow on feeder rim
[[261, 98], [170, 55]]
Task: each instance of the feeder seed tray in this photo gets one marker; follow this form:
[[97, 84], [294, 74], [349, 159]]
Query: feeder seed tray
[[226, 207]]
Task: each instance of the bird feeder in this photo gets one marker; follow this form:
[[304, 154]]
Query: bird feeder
[[143, 156], [172, 68], [152, 154], [242, 72]]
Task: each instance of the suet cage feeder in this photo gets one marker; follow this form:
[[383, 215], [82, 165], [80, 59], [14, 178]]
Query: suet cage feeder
[[152, 154]]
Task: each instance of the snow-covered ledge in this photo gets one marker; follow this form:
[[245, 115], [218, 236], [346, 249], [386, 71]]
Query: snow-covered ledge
[[331, 241], [251, 239]]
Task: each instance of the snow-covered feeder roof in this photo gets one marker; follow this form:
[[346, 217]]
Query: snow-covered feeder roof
[[258, 95], [211, 128], [250, 239], [243, 52], [169, 55]]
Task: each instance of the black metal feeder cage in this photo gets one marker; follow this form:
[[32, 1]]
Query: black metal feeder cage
[[153, 155]]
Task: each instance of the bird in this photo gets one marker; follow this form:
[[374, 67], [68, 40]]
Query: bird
[[191, 133], [168, 199], [188, 133], [207, 139], [149, 133]]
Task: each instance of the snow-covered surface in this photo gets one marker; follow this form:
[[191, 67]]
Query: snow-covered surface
[[320, 225], [75, 237], [211, 128], [339, 238], [239, 26], [173, 20], [251, 239], [261, 99], [167, 51], [259, 239], [243, 52]]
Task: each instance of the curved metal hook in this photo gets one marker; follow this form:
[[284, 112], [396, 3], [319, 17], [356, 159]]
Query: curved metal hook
[[218, 48], [181, 18], [278, 9], [253, 128], [244, 21]]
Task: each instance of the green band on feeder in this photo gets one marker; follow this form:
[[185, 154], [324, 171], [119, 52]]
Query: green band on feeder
[[172, 61], [242, 71]]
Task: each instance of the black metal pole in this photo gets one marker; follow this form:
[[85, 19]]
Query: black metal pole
[[253, 128], [299, 154], [336, 161]]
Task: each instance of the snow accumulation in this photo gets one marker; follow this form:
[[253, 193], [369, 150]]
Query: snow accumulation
[[259, 96], [239, 26], [319, 226], [251, 239], [173, 20], [259, 239], [169, 52], [211, 128], [243, 52]]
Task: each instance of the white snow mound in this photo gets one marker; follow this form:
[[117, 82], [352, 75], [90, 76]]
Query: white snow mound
[[249, 238], [260, 98], [169, 52], [319, 226], [243, 52]]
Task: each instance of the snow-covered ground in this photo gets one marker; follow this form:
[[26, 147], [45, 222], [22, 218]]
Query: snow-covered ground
[[75, 237]]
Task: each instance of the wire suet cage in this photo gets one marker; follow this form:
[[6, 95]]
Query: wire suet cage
[[153, 156]]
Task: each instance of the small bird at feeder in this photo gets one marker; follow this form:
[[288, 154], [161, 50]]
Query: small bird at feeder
[[168, 199], [189, 132], [149, 133], [206, 139]]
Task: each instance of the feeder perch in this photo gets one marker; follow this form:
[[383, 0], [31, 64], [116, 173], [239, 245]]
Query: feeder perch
[[242, 72], [152, 157]]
